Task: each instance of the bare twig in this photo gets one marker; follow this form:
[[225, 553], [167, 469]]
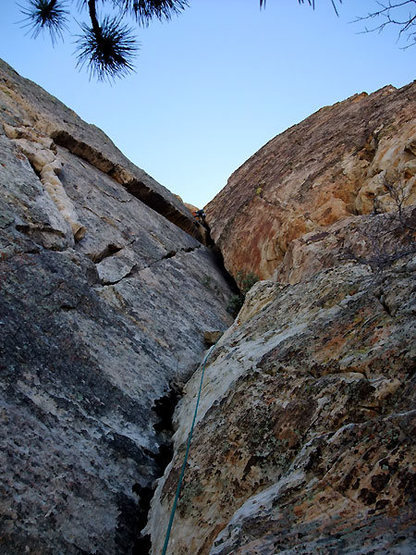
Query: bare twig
[[398, 13]]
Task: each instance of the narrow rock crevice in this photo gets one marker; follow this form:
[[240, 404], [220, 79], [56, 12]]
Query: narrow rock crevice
[[381, 299], [131, 273], [171, 254], [142, 544], [162, 206], [164, 408], [218, 258], [36, 171], [28, 229], [219, 261], [111, 250]]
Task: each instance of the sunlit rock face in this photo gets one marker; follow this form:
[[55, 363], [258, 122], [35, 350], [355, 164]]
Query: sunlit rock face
[[34, 112], [377, 240], [306, 434], [335, 164], [104, 302]]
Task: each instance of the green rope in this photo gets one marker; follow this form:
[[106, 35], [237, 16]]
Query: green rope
[[188, 445]]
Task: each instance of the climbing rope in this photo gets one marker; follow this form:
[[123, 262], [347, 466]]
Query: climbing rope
[[188, 445]]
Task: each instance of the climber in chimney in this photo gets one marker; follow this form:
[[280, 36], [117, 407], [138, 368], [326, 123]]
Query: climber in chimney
[[200, 215]]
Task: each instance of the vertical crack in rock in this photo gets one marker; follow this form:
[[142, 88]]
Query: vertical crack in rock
[[84, 363], [219, 260], [164, 409]]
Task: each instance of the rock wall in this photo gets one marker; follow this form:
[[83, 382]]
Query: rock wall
[[103, 304], [306, 433], [305, 436], [25, 104], [335, 164]]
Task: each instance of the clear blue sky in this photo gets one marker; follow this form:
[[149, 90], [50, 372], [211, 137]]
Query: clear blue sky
[[216, 83]]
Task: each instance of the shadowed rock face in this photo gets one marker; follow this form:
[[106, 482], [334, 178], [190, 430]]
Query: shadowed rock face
[[331, 166], [103, 303]]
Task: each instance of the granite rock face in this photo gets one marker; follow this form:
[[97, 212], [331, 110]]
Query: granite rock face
[[305, 435], [305, 439], [104, 302], [337, 163]]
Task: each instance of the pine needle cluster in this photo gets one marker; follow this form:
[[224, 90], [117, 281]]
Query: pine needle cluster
[[45, 14], [106, 45], [108, 51]]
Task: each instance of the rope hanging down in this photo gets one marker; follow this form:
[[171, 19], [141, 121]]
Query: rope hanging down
[[188, 445]]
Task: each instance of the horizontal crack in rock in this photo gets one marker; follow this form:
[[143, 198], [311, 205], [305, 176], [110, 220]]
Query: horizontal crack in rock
[[109, 250], [133, 185]]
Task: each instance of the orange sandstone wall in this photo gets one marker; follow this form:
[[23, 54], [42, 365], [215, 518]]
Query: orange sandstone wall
[[331, 166]]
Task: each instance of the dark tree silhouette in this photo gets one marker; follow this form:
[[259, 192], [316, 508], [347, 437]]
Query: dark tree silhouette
[[310, 2], [106, 44]]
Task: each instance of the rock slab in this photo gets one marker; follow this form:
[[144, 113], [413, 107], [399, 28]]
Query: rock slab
[[103, 305], [305, 436]]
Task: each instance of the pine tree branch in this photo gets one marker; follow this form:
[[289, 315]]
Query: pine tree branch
[[92, 9], [45, 14]]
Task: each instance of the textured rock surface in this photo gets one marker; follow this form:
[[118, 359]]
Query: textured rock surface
[[376, 239], [331, 166], [305, 439], [24, 104], [103, 302]]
